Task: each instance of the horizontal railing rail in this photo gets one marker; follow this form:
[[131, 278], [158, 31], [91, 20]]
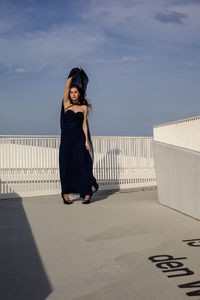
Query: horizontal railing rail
[[29, 165], [183, 133]]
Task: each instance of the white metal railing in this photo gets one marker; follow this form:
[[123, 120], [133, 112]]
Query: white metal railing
[[183, 133], [29, 165]]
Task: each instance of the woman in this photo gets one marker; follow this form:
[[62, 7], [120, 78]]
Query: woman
[[76, 149]]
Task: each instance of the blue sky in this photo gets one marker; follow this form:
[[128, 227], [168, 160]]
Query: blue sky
[[142, 59]]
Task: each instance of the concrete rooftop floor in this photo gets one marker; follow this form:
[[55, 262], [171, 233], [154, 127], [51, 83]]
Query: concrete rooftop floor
[[98, 251]]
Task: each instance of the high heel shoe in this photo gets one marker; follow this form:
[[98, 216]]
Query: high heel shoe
[[68, 201], [87, 201]]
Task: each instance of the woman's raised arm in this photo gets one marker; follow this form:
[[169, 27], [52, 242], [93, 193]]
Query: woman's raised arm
[[66, 100], [66, 92]]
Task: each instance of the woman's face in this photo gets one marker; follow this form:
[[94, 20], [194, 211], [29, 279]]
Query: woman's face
[[74, 94]]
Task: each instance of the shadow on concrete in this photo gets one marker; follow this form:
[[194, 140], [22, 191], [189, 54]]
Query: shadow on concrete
[[111, 165], [107, 186], [103, 194], [22, 274]]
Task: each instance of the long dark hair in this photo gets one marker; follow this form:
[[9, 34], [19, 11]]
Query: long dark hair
[[82, 99]]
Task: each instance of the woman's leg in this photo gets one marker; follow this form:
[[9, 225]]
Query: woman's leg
[[84, 180]]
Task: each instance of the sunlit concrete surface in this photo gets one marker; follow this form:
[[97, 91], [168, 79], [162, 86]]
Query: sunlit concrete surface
[[99, 251]]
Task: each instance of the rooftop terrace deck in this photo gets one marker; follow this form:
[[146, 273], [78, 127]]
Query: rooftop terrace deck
[[98, 251]]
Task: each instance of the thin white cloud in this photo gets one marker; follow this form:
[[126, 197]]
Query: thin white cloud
[[125, 30], [54, 47], [111, 12], [124, 59], [29, 69], [192, 64], [21, 70]]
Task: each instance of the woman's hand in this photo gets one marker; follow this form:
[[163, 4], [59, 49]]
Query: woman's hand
[[87, 146]]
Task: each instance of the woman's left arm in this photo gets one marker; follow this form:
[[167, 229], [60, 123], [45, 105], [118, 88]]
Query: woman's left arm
[[85, 127]]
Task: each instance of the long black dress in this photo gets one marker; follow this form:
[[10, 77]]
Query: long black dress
[[75, 161]]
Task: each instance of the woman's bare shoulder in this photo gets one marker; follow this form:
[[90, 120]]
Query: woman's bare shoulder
[[85, 108]]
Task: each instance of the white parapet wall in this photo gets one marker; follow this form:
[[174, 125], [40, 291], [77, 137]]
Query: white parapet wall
[[177, 165], [178, 177], [183, 133]]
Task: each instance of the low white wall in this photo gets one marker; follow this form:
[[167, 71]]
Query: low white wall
[[182, 133], [178, 178], [30, 165]]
